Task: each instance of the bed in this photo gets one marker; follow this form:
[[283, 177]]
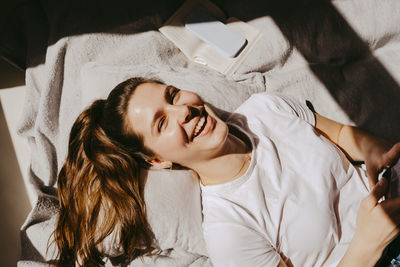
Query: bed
[[343, 56]]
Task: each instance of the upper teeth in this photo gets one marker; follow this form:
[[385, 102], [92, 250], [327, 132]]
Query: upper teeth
[[199, 125]]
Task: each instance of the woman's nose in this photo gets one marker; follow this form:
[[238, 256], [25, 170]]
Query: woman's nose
[[184, 113]]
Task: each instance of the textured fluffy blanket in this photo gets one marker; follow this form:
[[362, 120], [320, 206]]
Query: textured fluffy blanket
[[343, 56]]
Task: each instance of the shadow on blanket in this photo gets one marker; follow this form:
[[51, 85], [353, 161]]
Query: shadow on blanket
[[34, 24], [338, 57], [330, 45]]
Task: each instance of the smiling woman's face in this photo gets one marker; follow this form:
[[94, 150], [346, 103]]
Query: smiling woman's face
[[175, 124]]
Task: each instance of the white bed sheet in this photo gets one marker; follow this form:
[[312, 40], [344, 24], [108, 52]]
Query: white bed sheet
[[81, 67]]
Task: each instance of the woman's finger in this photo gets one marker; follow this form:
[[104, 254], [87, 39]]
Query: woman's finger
[[372, 175], [377, 192], [392, 155]]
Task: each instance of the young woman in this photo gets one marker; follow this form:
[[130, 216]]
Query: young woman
[[276, 190]]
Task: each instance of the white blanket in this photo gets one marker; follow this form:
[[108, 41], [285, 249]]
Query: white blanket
[[345, 60]]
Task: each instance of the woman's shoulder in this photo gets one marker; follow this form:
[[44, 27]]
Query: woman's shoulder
[[269, 105], [271, 100]]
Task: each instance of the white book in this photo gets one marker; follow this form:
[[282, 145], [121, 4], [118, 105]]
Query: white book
[[197, 46]]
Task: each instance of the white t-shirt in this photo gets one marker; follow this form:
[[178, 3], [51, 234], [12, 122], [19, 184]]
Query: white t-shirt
[[300, 195]]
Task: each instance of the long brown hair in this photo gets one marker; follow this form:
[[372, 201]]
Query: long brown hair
[[99, 188]]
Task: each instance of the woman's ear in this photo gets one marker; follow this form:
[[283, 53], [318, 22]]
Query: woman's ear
[[161, 164]]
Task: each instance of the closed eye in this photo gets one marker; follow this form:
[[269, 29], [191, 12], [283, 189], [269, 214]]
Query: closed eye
[[173, 95], [161, 123]]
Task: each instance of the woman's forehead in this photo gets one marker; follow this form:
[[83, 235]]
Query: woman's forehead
[[147, 96], [149, 89], [142, 105]]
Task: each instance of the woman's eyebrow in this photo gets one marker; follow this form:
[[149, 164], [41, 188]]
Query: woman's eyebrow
[[167, 92]]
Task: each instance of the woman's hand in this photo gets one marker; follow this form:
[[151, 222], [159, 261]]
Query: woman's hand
[[377, 225], [378, 222], [378, 155]]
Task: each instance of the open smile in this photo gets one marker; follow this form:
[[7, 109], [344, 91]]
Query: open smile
[[203, 125]]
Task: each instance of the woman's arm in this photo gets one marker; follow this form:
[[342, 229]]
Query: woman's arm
[[377, 222], [377, 226], [359, 146]]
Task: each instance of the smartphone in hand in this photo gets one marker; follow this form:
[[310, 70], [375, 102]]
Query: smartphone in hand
[[392, 174]]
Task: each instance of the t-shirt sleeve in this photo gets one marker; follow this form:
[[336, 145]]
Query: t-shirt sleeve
[[280, 103], [299, 107], [230, 245]]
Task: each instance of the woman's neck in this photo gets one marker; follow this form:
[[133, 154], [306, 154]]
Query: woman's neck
[[229, 165]]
